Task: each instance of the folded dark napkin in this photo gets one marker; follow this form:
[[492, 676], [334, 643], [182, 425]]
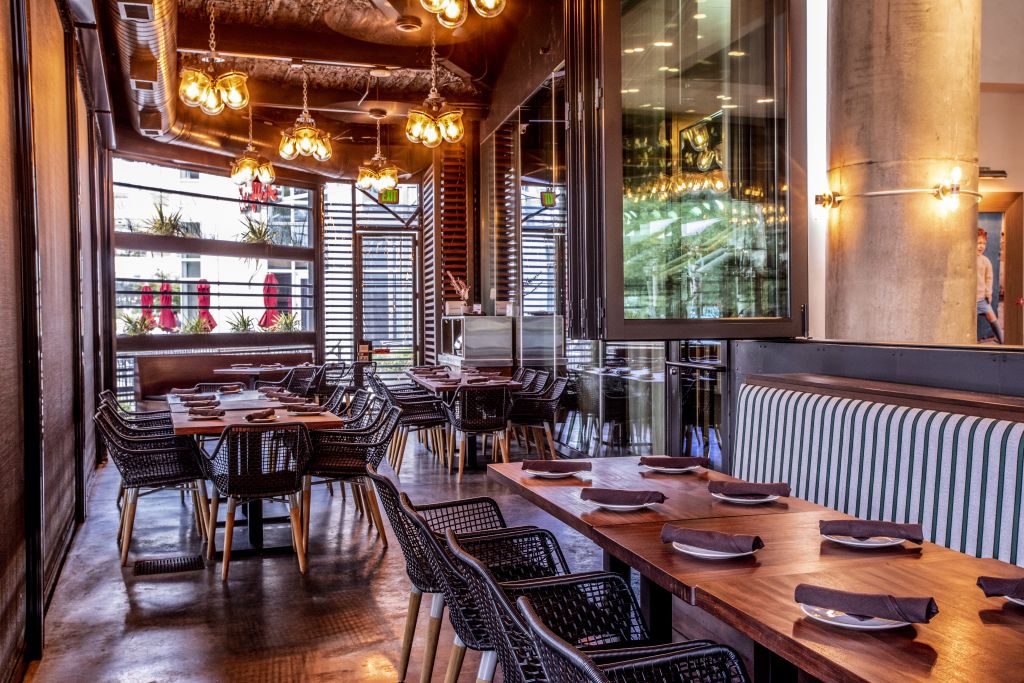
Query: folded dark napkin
[[290, 399], [305, 408], [179, 392], [914, 610], [206, 412], [556, 466], [996, 587], [675, 463], [862, 528], [231, 387], [746, 488], [278, 393], [711, 540], [476, 380], [204, 403], [260, 415], [620, 497]]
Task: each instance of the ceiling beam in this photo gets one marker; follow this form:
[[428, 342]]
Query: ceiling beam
[[239, 40]]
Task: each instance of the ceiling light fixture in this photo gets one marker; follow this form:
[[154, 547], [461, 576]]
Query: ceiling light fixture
[[250, 166], [379, 175], [453, 13], [736, 53], [663, 43], [199, 88], [765, 100], [304, 137], [947, 192], [700, 15], [432, 125]]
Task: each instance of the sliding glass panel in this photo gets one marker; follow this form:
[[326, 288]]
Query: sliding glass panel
[[704, 227]]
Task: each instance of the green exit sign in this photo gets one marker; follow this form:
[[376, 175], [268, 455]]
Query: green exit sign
[[388, 196], [548, 199]]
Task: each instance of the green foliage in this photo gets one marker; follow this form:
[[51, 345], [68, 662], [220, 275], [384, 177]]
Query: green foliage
[[133, 325], [195, 326], [286, 322], [170, 224], [256, 231], [240, 322]]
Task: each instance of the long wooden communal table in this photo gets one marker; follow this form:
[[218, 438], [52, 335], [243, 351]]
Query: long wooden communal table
[[972, 639]]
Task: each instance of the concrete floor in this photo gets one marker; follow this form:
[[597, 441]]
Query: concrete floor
[[342, 621]]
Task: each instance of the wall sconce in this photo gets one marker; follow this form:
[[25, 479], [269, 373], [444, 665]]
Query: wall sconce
[[948, 193]]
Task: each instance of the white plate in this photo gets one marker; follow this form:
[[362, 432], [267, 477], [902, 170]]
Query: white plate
[[844, 620], [744, 501], [672, 470], [873, 542], [551, 475], [622, 508], [1016, 601], [706, 554]]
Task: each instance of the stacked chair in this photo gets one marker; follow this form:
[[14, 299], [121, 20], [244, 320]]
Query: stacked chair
[[149, 457], [477, 410], [298, 380], [422, 413]]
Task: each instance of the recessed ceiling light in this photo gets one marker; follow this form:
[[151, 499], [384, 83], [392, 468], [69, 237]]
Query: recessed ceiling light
[[645, 105], [723, 97], [737, 53], [633, 90], [673, 69], [699, 37], [730, 106], [691, 111], [380, 72], [663, 43], [700, 15], [765, 100], [662, 68], [659, 109], [628, 51]]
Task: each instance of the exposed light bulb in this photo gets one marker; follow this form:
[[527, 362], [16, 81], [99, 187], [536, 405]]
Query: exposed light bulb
[[488, 8], [287, 149], [434, 6], [454, 14], [212, 103]]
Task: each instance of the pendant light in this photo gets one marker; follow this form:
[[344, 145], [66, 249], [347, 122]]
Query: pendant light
[[433, 125], [453, 13], [250, 166], [304, 137], [199, 88], [379, 175]]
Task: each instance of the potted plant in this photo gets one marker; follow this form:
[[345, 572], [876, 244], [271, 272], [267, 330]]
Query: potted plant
[[133, 325], [240, 322], [170, 224], [287, 321], [256, 231], [462, 290]]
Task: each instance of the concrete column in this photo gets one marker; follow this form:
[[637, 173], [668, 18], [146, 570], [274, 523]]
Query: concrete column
[[904, 89]]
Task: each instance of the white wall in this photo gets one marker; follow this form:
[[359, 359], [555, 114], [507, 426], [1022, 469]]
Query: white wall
[[1002, 46], [1001, 138]]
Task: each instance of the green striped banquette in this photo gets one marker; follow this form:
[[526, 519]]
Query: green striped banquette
[[961, 476]]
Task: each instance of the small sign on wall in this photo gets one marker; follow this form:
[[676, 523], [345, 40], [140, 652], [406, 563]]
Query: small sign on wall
[[548, 198], [388, 196]]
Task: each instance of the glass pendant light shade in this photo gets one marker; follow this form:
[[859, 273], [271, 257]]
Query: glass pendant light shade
[[434, 6], [451, 126], [431, 136], [454, 14], [322, 148], [233, 90], [718, 181], [212, 104], [288, 149], [244, 169], [193, 87], [367, 178], [705, 160], [265, 172], [306, 137], [387, 179], [488, 8], [414, 125], [697, 136]]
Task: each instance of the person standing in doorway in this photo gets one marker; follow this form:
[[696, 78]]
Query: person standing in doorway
[[985, 287]]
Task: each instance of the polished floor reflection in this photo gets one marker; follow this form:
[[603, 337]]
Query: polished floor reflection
[[341, 622]]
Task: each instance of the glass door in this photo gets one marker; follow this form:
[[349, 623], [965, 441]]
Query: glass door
[[386, 298], [692, 214]]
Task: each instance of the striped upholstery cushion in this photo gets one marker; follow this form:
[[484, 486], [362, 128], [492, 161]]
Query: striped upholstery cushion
[[961, 476]]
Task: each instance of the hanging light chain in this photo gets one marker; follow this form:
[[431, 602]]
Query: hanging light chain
[[433, 61], [305, 94], [249, 146], [378, 155], [212, 11]]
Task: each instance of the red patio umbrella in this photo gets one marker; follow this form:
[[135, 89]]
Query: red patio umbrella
[[168, 319], [203, 289], [146, 300], [269, 301]]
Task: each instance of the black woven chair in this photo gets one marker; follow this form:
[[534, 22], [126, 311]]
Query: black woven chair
[[255, 462], [536, 386], [517, 375], [214, 387], [139, 418], [595, 610], [150, 461], [343, 454], [477, 410], [515, 554], [297, 380], [540, 414], [461, 516], [692, 662], [422, 414]]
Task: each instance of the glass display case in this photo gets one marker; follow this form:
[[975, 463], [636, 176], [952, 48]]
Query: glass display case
[[480, 341]]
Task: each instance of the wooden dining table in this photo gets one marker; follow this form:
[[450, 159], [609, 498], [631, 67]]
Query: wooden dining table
[[972, 639]]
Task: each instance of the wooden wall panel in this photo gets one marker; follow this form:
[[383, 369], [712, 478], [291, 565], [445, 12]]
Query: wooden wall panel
[[431, 282], [50, 124], [504, 221], [453, 207], [12, 500]]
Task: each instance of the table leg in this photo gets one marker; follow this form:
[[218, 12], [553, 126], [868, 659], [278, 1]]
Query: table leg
[[656, 606], [613, 564], [771, 668], [471, 462], [254, 515]]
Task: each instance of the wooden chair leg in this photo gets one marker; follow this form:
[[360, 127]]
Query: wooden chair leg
[[412, 615], [204, 501], [131, 500], [229, 530], [293, 513], [367, 507], [307, 496], [455, 661], [551, 441], [378, 521], [211, 527], [401, 451], [197, 515], [506, 443], [356, 498], [462, 455], [433, 634]]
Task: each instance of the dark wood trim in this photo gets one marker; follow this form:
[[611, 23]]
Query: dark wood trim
[[107, 321], [25, 199], [134, 147], [319, 313], [227, 340], [195, 245], [995, 406]]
